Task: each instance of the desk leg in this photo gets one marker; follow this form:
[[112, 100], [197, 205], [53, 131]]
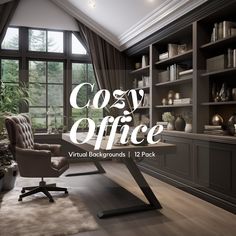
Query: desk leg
[[143, 185], [100, 170]]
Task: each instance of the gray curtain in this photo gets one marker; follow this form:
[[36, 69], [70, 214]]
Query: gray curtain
[[108, 62], [6, 13]]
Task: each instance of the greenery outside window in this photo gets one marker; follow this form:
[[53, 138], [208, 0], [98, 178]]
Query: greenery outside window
[[41, 59]]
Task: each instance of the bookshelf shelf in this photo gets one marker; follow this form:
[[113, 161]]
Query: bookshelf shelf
[[144, 88], [140, 70], [179, 81], [173, 106], [181, 57], [218, 103], [219, 43], [146, 107], [220, 72]]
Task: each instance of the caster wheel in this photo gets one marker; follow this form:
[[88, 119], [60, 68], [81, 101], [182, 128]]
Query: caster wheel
[[22, 191], [66, 192], [19, 199], [51, 200]]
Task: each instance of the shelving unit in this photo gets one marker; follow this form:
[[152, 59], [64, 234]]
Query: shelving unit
[[204, 162]]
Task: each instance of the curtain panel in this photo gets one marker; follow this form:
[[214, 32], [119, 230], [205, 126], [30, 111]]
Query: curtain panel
[[7, 11], [108, 62]]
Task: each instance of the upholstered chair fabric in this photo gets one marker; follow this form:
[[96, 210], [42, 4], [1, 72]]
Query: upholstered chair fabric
[[34, 160]]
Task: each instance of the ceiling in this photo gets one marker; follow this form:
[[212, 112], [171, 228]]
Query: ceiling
[[125, 22]]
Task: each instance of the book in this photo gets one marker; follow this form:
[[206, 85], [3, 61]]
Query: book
[[185, 72], [227, 26], [220, 31], [172, 49], [164, 76], [146, 100], [145, 81], [230, 58], [216, 63], [212, 127], [163, 56], [182, 101], [234, 58], [233, 31]]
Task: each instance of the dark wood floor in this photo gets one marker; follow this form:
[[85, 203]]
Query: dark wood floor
[[182, 213]]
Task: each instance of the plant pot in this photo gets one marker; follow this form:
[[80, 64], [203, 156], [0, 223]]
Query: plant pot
[[188, 128], [9, 178], [180, 124], [170, 126], [1, 183]]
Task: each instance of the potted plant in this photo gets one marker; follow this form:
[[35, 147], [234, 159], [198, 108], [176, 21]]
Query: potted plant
[[168, 117], [10, 99]]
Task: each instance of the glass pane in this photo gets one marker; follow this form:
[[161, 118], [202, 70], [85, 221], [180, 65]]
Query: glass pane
[[37, 93], [79, 114], [37, 71], [55, 119], [55, 41], [38, 117], [55, 95], [37, 40], [79, 73], [77, 47], [96, 114], [55, 72], [10, 70], [11, 39]]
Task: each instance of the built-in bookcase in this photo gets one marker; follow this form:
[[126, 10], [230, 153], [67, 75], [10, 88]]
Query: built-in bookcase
[[188, 50]]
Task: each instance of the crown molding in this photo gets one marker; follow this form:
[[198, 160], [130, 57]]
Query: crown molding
[[80, 16], [168, 12], [163, 15]]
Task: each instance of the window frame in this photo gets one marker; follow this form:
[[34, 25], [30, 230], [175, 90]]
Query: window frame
[[24, 55]]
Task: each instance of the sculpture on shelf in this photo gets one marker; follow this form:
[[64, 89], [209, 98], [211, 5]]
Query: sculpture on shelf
[[217, 120], [224, 93]]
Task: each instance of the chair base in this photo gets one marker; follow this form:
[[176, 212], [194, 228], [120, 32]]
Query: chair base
[[43, 188]]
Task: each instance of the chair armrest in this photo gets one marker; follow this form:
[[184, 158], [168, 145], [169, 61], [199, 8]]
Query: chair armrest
[[30, 158], [55, 149]]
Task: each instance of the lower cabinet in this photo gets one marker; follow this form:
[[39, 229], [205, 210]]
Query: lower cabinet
[[205, 166]]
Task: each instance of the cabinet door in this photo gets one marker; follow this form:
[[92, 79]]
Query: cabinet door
[[201, 153], [220, 167], [234, 173], [180, 163]]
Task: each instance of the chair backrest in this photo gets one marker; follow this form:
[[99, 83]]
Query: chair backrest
[[19, 132]]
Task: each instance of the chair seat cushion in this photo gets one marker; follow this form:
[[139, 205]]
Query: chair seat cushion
[[59, 162]]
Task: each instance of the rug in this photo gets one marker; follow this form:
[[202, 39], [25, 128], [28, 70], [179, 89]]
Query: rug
[[35, 216]]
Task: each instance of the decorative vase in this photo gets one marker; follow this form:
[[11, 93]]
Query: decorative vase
[[217, 120], [232, 119], [171, 94], [188, 128], [170, 126], [180, 124]]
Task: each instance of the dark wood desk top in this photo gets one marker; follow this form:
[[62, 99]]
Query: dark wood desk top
[[159, 148]]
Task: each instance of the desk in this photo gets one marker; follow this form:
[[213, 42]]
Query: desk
[[159, 148]]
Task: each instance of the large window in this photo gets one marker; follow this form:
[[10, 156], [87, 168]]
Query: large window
[[84, 73], [11, 40], [41, 65], [46, 41], [46, 92]]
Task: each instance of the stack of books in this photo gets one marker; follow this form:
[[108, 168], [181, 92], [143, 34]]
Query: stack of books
[[213, 129], [231, 58], [186, 74], [163, 123], [163, 56], [223, 30], [182, 101]]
